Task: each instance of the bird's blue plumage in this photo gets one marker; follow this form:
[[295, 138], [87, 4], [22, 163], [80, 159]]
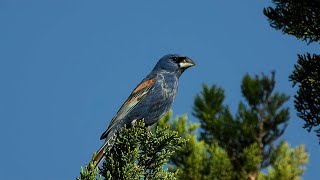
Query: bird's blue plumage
[[150, 100]]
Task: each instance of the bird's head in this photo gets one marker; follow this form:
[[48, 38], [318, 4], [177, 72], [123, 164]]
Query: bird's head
[[174, 63]]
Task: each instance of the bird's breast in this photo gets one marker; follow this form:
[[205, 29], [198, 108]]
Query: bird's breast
[[169, 85]]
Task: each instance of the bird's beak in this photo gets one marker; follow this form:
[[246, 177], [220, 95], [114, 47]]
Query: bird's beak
[[186, 63]]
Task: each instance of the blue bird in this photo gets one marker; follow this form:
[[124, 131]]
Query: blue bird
[[150, 100]]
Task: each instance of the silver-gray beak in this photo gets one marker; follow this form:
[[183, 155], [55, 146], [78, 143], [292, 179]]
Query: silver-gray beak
[[186, 63]]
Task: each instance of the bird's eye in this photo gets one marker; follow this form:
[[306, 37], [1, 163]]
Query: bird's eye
[[175, 59]]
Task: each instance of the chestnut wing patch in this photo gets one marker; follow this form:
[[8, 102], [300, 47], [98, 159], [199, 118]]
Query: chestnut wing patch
[[144, 85], [135, 97]]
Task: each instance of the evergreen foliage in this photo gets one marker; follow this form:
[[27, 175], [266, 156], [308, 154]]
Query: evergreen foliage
[[89, 172], [196, 159], [296, 17], [260, 120], [307, 100], [302, 20], [138, 153], [287, 163], [230, 147], [238, 147]]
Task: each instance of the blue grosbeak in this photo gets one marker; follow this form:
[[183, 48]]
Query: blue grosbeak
[[150, 100]]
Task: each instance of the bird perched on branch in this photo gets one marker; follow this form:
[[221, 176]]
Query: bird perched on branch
[[150, 100]]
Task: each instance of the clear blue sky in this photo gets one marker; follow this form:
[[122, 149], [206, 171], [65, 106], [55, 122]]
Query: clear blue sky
[[67, 66]]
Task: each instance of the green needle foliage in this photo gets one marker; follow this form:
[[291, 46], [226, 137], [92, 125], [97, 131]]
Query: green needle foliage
[[138, 153], [286, 163], [307, 101], [192, 160], [296, 17], [301, 18], [240, 146], [89, 172], [229, 147], [260, 121]]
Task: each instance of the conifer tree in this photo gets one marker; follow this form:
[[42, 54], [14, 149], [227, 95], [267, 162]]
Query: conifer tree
[[302, 20], [229, 147], [260, 120], [286, 163], [240, 146], [196, 159], [138, 153]]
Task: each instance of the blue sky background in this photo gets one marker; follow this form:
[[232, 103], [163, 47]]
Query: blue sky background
[[67, 66]]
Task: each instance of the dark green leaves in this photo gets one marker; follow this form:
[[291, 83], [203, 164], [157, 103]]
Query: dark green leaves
[[299, 18], [140, 154], [306, 75], [248, 137]]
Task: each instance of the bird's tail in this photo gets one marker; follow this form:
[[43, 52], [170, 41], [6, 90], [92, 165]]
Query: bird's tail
[[105, 148]]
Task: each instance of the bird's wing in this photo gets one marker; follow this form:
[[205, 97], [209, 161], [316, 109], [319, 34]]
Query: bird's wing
[[135, 97]]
